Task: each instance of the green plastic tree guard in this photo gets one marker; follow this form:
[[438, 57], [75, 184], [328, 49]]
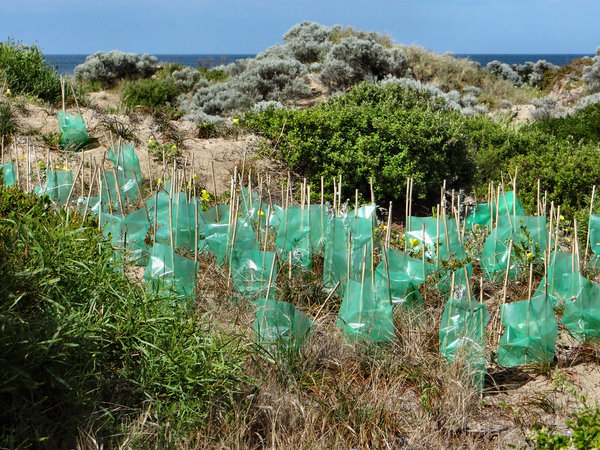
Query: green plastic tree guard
[[9, 174], [582, 313], [280, 326], [531, 332], [293, 236], [405, 276], [362, 316], [125, 161], [58, 186], [560, 281], [529, 236], [172, 274], [73, 132], [129, 234], [335, 265], [594, 227], [251, 274], [183, 221], [462, 335]]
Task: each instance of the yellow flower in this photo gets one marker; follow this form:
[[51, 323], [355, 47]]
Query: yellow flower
[[57, 168], [413, 242], [174, 148], [236, 120], [65, 168], [22, 158], [195, 177], [150, 141], [562, 217], [189, 183], [8, 92], [205, 195], [41, 163], [261, 214], [159, 182], [529, 256]]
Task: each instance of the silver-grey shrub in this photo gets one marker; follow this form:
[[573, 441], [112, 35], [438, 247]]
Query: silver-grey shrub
[[273, 75], [308, 41], [354, 60], [545, 108], [189, 79], [591, 74], [109, 67], [504, 71]]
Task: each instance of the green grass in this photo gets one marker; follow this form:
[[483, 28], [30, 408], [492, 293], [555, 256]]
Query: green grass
[[80, 343]]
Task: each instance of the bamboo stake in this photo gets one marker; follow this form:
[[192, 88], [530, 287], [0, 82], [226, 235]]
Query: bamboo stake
[[505, 288], [87, 203], [364, 264], [322, 190], [388, 234], [73, 185], [155, 212], [117, 187], [531, 280], [271, 277], [587, 239], [326, 300], [371, 188], [212, 168]]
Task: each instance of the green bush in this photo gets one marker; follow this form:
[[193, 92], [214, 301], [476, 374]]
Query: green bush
[[584, 126], [150, 93], [80, 343], [567, 172], [24, 71], [388, 133]]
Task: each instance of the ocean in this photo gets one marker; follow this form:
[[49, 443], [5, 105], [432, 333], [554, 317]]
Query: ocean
[[66, 63]]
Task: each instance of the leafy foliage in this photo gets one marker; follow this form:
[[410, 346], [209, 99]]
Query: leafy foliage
[[150, 93], [23, 70], [388, 132]]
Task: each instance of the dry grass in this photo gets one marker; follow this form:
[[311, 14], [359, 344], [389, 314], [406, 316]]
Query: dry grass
[[453, 73]]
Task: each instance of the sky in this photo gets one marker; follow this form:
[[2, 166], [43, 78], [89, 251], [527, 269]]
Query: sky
[[250, 26]]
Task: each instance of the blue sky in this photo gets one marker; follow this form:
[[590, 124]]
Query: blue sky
[[250, 26]]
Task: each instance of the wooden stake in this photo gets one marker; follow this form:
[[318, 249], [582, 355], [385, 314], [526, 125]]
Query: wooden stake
[[271, 277], [587, 239]]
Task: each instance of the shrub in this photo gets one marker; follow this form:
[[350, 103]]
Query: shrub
[[583, 125], [23, 70], [115, 65], [272, 76], [545, 108], [150, 93], [591, 74], [354, 60], [387, 132], [189, 80], [308, 41], [567, 172], [504, 71]]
